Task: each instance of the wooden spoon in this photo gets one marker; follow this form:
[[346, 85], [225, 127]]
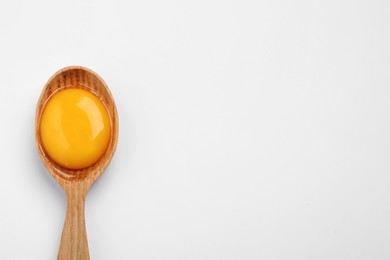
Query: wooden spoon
[[76, 183]]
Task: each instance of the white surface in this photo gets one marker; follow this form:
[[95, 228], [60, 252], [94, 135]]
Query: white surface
[[248, 129]]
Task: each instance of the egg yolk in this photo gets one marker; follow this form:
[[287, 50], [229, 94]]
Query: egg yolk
[[75, 128]]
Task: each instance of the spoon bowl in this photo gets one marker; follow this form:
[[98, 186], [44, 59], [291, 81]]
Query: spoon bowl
[[76, 183]]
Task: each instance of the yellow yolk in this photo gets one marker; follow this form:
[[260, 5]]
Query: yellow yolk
[[75, 128]]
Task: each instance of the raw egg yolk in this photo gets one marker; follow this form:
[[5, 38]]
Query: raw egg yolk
[[75, 128]]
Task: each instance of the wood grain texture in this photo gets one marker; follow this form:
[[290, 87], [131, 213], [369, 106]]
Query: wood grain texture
[[76, 183]]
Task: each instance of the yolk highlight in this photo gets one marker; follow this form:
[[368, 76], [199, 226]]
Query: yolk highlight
[[75, 128]]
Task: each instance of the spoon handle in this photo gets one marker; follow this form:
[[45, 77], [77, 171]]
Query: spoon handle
[[74, 243]]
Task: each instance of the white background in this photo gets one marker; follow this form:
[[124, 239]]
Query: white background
[[248, 129]]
